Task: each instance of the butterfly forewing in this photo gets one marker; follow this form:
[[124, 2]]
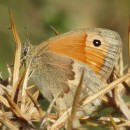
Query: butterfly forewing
[[78, 45]]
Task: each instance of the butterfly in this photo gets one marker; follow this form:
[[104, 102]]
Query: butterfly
[[59, 61]]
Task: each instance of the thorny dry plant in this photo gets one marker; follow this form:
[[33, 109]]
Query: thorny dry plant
[[19, 107]]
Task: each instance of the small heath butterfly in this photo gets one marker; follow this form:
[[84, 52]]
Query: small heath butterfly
[[59, 61]]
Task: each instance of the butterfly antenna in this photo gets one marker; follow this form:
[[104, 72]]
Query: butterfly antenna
[[27, 39], [54, 30]]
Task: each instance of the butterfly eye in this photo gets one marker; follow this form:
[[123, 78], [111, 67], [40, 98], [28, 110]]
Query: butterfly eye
[[96, 42], [26, 51]]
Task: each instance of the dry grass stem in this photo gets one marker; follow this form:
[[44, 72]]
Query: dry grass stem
[[106, 89], [72, 119], [8, 123], [123, 107], [18, 50], [114, 124], [17, 86], [37, 105], [24, 87]]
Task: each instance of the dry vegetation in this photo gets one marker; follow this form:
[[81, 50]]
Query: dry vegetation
[[20, 109]]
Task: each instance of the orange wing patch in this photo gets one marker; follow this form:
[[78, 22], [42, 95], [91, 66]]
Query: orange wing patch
[[75, 46]]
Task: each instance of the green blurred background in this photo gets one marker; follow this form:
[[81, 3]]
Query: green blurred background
[[64, 15]]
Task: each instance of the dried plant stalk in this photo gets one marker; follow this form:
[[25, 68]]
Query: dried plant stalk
[[18, 50]]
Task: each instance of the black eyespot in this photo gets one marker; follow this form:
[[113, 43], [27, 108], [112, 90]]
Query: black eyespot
[[96, 42]]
